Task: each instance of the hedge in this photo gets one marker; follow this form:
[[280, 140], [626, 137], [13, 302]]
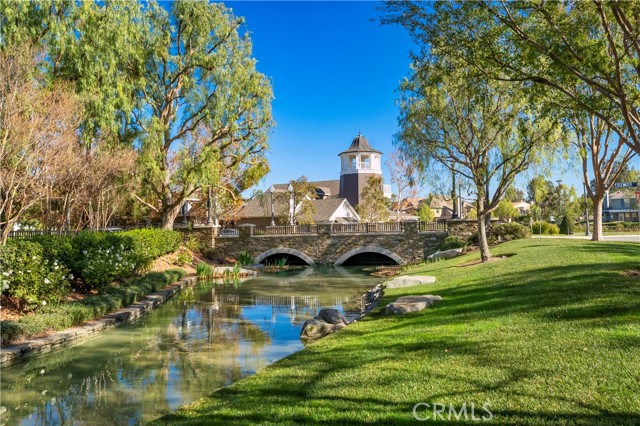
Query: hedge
[[73, 313], [37, 271]]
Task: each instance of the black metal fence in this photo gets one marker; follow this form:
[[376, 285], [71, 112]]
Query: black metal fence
[[363, 228], [286, 230], [440, 225]]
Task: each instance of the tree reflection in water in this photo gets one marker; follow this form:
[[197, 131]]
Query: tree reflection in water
[[208, 336]]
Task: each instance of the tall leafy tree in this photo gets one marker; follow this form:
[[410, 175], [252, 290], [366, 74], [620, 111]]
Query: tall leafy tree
[[603, 158], [297, 205], [402, 176], [482, 130], [203, 105], [97, 48], [373, 205], [582, 54]]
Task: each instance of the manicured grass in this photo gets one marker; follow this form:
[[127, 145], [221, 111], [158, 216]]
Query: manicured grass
[[549, 335]]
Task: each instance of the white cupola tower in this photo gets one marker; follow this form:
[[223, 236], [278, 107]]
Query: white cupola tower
[[358, 163]]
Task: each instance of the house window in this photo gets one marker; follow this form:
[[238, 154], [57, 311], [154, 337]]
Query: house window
[[366, 162], [352, 162]]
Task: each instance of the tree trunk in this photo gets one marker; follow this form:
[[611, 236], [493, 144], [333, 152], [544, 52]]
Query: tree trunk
[[4, 235], [485, 255], [596, 234], [169, 215]]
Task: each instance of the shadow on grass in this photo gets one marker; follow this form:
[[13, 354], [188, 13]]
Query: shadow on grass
[[376, 371]]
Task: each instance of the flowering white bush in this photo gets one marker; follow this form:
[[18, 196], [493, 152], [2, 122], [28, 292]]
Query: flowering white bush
[[28, 276]]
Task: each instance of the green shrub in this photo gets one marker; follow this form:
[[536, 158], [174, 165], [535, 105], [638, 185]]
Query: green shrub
[[545, 228], [568, 224], [472, 240], [55, 247], [101, 258], [451, 243], [73, 313], [184, 257], [30, 276], [510, 231]]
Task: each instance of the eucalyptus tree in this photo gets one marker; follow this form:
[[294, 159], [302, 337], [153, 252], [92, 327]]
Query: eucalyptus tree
[[96, 48], [456, 121], [203, 105]]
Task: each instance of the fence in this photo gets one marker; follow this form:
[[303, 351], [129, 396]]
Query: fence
[[18, 235], [286, 230], [363, 228], [440, 225], [23, 234]]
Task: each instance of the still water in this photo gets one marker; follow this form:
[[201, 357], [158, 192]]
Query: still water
[[206, 337]]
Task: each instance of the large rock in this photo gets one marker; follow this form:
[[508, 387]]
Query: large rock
[[333, 316], [410, 281], [406, 304], [316, 328], [447, 254]]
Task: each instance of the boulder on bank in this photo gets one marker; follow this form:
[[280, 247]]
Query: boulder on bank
[[316, 328], [406, 304], [447, 254], [410, 281], [333, 316], [327, 321]]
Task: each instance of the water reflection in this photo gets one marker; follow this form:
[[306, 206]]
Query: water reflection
[[208, 336]]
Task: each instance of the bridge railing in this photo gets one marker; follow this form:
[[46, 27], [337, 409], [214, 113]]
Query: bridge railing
[[439, 225], [355, 228], [286, 230]]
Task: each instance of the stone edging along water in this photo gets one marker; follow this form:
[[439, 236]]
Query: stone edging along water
[[11, 353]]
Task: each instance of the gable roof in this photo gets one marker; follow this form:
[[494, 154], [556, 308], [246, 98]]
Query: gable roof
[[329, 188], [327, 207], [261, 208]]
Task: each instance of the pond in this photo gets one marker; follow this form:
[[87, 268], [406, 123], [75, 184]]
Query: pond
[[206, 337]]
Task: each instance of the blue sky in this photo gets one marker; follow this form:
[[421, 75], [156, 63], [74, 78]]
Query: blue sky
[[335, 72]]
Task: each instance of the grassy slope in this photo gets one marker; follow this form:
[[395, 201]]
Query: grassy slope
[[550, 335]]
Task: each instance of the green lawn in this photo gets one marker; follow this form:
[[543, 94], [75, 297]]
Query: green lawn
[[549, 335]]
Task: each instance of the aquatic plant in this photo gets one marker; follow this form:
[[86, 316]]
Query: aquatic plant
[[204, 270]]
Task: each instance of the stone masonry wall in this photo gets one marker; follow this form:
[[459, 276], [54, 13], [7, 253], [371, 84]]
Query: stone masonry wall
[[462, 228], [326, 248]]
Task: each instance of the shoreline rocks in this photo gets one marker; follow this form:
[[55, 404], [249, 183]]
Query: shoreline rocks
[[407, 304], [410, 281], [444, 255], [331, 320]]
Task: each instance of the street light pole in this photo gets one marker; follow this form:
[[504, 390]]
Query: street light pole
[[273, 217], [209, 217], [291, 204], [586, 210]]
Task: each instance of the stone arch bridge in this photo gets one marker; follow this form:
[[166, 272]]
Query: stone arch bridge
[[334, 244]]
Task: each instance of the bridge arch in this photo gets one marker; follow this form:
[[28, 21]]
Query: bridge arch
[[370, 249], [285, 250]]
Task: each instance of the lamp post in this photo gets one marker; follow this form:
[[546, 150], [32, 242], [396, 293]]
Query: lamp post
[[273, 217], [586, 210], [209, 218], [291, 204], [185, 209]]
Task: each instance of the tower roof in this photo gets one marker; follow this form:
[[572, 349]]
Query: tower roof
[[360, 144]]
